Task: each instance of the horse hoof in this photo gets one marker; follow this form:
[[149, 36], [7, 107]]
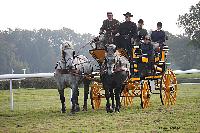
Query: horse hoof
[[84, 108], [113, 107], [117, 110], [77, 108], [109, 110], [63, 111], [72, 112]]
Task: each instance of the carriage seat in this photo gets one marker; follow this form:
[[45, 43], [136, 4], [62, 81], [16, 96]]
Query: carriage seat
[[98, 55]]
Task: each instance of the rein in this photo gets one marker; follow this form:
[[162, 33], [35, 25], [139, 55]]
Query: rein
[[89, 43], [76, 73]]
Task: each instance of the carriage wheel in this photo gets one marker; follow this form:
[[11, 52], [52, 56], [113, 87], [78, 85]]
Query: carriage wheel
[[145, 94], [128, 93], [127, 98], [168, 88], [96, 95]]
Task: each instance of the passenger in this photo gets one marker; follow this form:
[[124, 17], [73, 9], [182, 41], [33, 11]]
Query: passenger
[[158, 35], [141, 32], [109, 27], [147, 51], [147, 47]]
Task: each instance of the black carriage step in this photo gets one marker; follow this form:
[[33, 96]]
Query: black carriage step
[[131, 96], [127, 96], [155, 93]]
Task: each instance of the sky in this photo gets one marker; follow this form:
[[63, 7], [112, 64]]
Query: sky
[[86, 16]]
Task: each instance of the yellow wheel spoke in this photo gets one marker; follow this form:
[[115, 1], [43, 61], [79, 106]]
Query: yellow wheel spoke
[[169, 88]]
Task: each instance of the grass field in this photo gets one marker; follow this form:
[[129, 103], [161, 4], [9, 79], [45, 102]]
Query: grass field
[[39, 111], [192, 75]]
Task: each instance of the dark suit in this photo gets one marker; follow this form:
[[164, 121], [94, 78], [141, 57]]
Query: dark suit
[[127, 30], [141, 34], [111, 29], [145, 68], [158, 36]]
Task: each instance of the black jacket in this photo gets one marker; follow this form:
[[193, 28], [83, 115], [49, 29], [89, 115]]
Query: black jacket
[[147, 49], [110, 26], [158, 36], [141, 34], [128, 28]]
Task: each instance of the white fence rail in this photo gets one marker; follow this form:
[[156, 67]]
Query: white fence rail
[[48, 75]]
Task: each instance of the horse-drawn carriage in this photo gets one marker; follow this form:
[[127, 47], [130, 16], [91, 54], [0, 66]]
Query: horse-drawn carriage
[[154, 79], [151, 76]]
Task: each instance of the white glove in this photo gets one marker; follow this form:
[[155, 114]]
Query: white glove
[[132, 40], [117, 34]]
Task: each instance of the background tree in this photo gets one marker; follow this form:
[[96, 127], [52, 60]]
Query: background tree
[[190, 22]]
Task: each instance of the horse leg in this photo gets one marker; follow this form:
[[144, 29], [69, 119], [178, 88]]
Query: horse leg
[[62, 99], [117, 98], [112, 98], [77, 108], [107, 94], [86, 92], [74, 99]]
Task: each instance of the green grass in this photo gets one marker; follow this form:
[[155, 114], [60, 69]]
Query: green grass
[[39, 111], [192, 75]]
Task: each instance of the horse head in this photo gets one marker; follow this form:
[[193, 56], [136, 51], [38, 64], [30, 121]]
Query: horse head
[[67, 49], [114, 61], [110, 58]]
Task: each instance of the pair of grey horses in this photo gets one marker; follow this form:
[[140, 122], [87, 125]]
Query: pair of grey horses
[[73, 70]]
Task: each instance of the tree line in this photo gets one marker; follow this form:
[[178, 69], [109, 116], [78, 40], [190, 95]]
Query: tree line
[[36, 50]]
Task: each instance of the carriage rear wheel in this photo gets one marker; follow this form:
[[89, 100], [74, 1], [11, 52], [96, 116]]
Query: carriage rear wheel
[[96, 95], [168, 88], [145, 94]]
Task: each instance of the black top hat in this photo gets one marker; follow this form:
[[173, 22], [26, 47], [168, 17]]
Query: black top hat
[[128, 14]]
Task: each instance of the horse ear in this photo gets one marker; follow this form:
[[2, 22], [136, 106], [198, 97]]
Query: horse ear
[[61, 47], [73, 54]]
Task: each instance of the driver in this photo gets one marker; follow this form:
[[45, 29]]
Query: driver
[[109, 27], [127, 35]]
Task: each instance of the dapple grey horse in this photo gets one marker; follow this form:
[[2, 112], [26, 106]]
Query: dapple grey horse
[[70, 71], [114, 71]]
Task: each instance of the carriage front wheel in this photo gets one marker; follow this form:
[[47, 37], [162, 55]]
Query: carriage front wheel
[[145, 94], [168, 88], [95, 95], [130, 90]]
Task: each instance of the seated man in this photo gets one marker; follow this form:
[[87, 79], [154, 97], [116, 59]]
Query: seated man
[[158, 35], [147, 47], [109, 27], [141, 31], [148, 52]]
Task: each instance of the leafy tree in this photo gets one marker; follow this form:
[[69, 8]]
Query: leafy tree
[[191, 23]]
